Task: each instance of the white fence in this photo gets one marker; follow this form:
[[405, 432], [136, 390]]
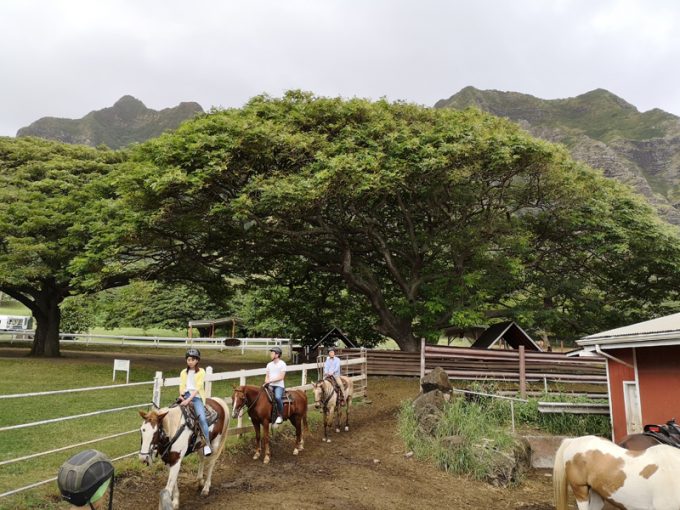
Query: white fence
[[244, 344], [356, 368]]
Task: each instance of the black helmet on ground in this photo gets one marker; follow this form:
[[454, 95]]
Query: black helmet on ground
[[193, 353]]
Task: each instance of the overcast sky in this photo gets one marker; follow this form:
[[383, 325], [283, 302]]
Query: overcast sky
[[65, 58]]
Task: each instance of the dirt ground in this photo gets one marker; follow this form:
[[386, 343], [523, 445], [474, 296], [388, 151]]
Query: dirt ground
[[361, 469]]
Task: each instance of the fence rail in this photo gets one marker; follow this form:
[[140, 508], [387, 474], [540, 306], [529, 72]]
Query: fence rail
[[354, 365]]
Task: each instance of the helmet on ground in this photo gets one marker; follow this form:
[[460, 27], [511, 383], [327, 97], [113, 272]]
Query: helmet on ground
[[192, 352], [84, 478], [277, 350]]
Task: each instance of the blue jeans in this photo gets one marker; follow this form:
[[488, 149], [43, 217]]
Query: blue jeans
[[199, 407], [278, 396]]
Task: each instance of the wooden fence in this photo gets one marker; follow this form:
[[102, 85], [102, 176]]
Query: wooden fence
[[488, 364]]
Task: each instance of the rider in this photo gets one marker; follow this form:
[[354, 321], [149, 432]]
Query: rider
[[331, 370], [192, 389], [276, 373]]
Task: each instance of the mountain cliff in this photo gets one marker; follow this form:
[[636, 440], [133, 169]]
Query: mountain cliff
[[127, 121], [601, 129]]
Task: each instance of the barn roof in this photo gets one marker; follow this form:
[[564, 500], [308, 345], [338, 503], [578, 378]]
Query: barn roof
[[510, 332], [331, 337], [655, 332]]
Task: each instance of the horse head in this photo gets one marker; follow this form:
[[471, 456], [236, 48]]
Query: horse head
[[238, 400], [317, 388], [150, 431]]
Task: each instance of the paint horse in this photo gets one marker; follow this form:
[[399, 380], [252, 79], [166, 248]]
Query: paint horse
[[165, 432], [598, 470], [653, 435], [257, 403], [326, 398]]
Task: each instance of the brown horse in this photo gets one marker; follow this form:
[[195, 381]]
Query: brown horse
[[325, 396], [256, 401]]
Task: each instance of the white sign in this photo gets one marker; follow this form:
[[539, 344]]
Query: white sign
[[123, 365]]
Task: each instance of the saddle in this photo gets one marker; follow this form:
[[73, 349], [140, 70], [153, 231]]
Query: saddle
[[338, 389], [287, 400], [666, 434], [191, 419]]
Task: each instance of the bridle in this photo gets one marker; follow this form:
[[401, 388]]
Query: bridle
[[245, 404], [160, 439], [325, 398]]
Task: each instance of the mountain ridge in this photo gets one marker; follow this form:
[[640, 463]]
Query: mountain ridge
[[127, 121]]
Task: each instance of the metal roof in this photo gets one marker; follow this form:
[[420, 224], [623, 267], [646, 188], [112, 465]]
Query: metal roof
[[210, 322], [655, 332]]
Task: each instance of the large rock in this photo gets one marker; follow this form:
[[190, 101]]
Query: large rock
[[436, 380], [427, 423], [543, 449], [433, 399]]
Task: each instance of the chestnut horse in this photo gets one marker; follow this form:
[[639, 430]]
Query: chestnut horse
[[598, 470], [255, 401], [325, 396], [164, 432]]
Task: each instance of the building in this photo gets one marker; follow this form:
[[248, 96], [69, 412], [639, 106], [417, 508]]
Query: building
[[643, 372]]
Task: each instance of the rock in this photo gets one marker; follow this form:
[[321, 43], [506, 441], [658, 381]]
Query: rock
[[408, 455], [433, 399], [436, 380], [428, 423], [451, 441], [376, 461], [508, 467]]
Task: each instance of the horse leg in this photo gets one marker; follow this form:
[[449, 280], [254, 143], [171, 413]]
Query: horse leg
[[256, 426], [211, 464], [348, 404], [327, 422], [298, 433], [172, 486], [267, 455], [337, 417]]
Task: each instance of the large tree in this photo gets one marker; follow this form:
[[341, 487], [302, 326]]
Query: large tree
[[428, 215], [46, 190]]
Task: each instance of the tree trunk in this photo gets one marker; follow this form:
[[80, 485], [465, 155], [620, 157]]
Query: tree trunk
[[48, 318]]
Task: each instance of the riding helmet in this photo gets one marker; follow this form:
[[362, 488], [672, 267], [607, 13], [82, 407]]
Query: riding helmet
[[193, 352], [81, 476], [276, 349]]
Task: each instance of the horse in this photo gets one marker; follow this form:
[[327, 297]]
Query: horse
[[638, 441], [165, 432], [326, 397], [256, 402], [598, 470]]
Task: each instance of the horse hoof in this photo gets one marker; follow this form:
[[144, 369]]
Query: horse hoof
[[256, 456], [266, 460], [328, 440], [295, 452], [205, 492], [346, 429], [337, 431]]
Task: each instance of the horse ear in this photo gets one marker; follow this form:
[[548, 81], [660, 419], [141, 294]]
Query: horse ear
[[142, 414], [162, 415]]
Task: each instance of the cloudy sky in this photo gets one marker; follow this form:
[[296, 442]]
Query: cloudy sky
[[65, 58]]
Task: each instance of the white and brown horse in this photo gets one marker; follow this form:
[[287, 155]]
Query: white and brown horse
[[597, 470], [164, 432], [326, 398]]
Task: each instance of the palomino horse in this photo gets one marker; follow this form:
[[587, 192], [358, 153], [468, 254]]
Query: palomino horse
[[255, 401], [326, 397], [165, 432], [597, 470]]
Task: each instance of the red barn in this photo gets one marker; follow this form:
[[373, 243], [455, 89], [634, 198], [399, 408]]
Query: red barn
[[643, 372]]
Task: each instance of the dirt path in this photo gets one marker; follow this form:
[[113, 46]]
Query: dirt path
[[362, 469]]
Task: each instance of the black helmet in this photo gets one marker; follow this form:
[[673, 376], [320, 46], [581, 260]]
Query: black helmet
[[331, 348], [193, 352], [81, 476], [277, 350]]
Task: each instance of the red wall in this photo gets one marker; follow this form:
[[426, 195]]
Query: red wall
[[659, 381], [617, 374]]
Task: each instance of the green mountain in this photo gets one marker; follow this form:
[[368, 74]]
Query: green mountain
[[599, 128], [127, 121]]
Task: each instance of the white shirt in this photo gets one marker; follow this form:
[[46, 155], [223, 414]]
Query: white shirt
[[275, 370], [191, 380]]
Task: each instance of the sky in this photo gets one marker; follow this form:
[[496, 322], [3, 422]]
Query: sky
[[65, 58]]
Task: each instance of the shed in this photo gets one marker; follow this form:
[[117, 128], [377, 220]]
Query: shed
[[643, 372], [509, 331], [206, 327], [307, 352]]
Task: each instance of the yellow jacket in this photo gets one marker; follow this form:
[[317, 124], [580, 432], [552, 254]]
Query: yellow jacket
[[199, 378]]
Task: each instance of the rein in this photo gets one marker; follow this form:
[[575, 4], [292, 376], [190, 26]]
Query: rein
[[327, 399], [160, 439], [246, 405]]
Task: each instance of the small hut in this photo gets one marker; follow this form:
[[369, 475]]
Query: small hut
[[508, 333], [335, 335], [206, 328]]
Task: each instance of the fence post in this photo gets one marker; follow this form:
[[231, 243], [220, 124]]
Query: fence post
[[241, 382], [364, 370], [522, 372], [243, 346], [157, 385], [303, 379], [422, 357], [512, 414], [208, 382]]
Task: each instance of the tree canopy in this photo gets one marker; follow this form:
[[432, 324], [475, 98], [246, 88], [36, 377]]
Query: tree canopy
[[427, 215], [46, 189]]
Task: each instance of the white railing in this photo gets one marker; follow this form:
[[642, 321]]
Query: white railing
[[245, 344], [159, 382]]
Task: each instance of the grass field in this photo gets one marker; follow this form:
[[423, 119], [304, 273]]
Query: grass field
[[77, 369]]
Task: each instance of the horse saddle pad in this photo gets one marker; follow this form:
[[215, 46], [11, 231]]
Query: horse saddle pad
[[192, 419], [287, 396]]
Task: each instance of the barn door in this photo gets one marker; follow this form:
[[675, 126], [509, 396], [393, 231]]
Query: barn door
[[632, 401]]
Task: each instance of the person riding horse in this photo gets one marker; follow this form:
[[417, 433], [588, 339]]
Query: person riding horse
[[276, 373], [331, 371]]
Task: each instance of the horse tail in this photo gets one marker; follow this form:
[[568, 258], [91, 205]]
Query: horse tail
[[560, 478]]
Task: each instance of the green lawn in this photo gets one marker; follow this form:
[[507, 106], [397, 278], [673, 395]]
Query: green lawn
[[22, 375]]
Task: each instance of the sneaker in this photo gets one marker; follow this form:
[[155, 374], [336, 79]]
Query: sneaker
[[207, 451], [278, 421]]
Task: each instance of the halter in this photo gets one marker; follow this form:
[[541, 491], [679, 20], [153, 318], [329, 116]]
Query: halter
[[245, 403], [323, 394], [159, 438]]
